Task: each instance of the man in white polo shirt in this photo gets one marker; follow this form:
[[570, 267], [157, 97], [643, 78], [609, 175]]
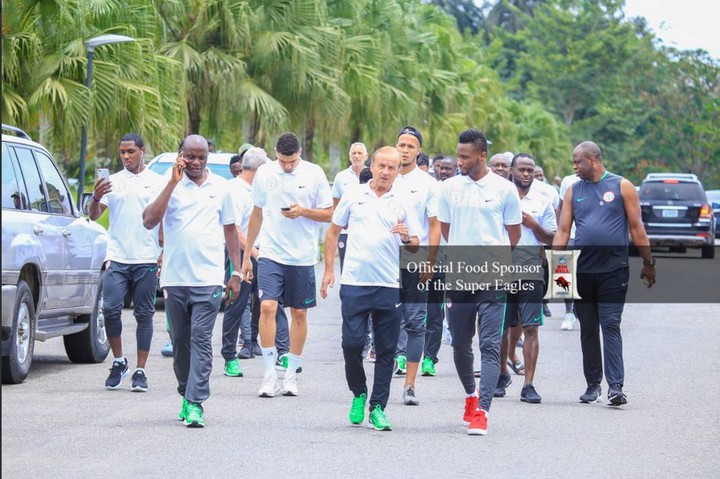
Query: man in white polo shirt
[[477, 209], [525, 307], [380, 218], [348, 177], [290, 196], [234, 318], [198, 220], [422, 192], [131, 259]]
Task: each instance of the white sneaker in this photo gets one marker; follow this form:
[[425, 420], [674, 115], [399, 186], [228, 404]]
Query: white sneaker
[[289, 387], [270, 386], [567, 323]]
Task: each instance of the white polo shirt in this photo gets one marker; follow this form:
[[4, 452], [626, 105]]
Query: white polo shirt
[[241, 193], [194, 235], [564, 185], [529, 248], [369, 219], [343, 180], [292, 242], [130, 242], [479, 210], [547, 191], [423, 190]]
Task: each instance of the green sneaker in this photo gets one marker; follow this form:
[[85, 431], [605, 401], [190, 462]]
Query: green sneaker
[[428, 367], [400, 365], [232, 369], [378, 421], [357, 410], [193, 415], [183, 410]]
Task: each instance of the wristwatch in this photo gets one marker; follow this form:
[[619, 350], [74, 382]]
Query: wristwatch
[[237, 273], [406, 242], [649, 263]]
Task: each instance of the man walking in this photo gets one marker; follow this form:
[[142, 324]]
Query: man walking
[[604, 207], [525, 307], [290, 197], [378, 216], [197, 216], [422, 194], [132, 255], [478, 208]]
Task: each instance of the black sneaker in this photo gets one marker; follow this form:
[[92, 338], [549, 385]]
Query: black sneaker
[[616, 396], [139, 381], [246, 352], [592, 394], [504, 380], [117, 372], [530, 395]]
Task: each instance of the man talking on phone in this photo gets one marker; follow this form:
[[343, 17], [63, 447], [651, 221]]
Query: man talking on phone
[[198, 220], [132, 252], [290, 197]]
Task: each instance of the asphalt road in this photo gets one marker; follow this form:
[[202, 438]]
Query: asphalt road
[[62, 422]]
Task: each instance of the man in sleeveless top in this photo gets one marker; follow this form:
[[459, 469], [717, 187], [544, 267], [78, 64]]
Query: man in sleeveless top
[[604, 207]]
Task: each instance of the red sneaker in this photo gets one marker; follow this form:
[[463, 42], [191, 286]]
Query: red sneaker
[[471, 405], [479, 424]]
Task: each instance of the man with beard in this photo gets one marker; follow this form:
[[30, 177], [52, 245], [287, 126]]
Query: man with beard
[[525, 307], [477, 209]]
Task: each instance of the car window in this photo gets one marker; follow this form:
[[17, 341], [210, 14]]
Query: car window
[[160, 167], [58, 195], [13, 192], [36, 193], [221, 170], [671, 191]]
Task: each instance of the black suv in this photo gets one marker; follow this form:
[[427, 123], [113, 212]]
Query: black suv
[[676, 213]]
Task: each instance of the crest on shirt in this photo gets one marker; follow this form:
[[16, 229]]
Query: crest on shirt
[[456, 197], [271, 184], [395, 207], [608, 196]]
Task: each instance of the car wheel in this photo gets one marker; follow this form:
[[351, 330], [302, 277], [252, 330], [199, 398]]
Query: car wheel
[[708, 251], [16, 366], [91, 344]]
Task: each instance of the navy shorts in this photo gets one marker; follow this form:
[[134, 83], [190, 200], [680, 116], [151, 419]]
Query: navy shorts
[[525, 307], [291, 286]]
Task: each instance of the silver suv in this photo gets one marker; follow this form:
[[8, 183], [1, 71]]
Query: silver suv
[[52, 262]]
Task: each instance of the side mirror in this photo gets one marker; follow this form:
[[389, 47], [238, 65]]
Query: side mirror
[[85, 202]]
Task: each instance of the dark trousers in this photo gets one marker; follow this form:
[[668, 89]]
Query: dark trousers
[[358, 302], [435, 316], [234, 315], [142, 278], [601, 306]]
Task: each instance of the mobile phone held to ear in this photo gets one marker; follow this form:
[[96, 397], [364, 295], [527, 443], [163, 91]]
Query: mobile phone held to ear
[[103, 173]]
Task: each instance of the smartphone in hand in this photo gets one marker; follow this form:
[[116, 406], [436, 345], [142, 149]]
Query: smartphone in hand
[[285, 209], [103, 173]]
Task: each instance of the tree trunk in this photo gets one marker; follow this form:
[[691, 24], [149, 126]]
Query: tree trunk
[[335, 161], [309, 137], [193, 118]]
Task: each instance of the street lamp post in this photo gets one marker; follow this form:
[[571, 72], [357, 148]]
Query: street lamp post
[[91, 45]]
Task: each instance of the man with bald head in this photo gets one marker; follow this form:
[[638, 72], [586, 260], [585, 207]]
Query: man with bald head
[[604, 207], [500, 165], [380, 218], [198, 220]]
